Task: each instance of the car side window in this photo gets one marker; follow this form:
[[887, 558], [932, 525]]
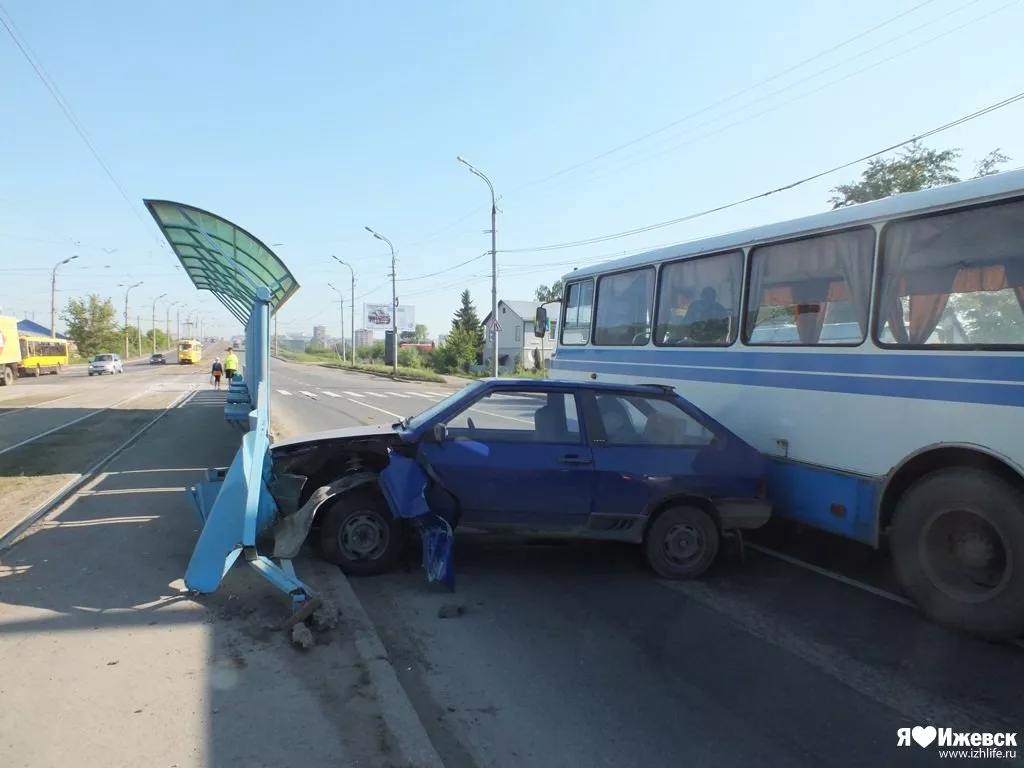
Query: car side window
[[519, 417], [638, 420]]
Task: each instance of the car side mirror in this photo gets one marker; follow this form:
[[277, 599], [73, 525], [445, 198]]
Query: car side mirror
[[440, 433], [540, 323]]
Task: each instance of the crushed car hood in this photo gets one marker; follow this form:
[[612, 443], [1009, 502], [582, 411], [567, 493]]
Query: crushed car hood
[[347, 433]]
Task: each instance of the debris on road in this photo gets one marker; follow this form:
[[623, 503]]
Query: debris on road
[[326, 617], [450, 611], [302, 636]]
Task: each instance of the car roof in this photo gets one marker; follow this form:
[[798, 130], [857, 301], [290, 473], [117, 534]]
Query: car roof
[[554, 385]]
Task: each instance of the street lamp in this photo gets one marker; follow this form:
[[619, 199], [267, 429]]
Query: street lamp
[[53, 295], [394, 304], [167, 323], [341, 312], [494, 266], [352, 305], [152, 320], [127, 291]]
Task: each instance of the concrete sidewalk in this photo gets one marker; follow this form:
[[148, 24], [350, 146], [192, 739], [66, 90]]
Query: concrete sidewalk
[[103, 662]]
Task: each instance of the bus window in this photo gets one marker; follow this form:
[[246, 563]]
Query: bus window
[[954, 278], [811, 284], [698, 301], [625, 308], [579, 299]]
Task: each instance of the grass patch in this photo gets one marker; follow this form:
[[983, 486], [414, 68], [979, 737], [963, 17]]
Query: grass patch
[[415, 374]]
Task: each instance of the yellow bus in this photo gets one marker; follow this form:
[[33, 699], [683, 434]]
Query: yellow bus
[[40, 355], [190, 351]]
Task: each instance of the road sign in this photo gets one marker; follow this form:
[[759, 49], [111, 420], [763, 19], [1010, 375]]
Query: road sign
[[493, 326]]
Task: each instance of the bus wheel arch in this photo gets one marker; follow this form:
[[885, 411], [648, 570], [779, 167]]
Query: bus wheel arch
[[957, 539]]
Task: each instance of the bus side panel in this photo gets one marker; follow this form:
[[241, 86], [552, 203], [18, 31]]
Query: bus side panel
[[831, 501]]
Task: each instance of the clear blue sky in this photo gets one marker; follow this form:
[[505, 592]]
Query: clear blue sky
[[306, 122]]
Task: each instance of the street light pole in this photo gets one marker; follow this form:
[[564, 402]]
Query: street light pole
[[152, 322], [53, 295], [394, 304], [352, 305], [127, 291], [167, 324], [341, 312], [494, 266]]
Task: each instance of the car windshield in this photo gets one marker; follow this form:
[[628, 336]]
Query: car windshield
[[102, 358], [417, 421]]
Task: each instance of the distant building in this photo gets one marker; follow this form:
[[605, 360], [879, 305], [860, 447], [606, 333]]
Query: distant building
[[363, 337], [320, 334], [515, 337]]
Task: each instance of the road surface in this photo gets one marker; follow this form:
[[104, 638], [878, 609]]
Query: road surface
[[576, 655]]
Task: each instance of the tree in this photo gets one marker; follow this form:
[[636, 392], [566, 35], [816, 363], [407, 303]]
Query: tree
[[467, 319], [420, 336], [545, 294], [915, 167], [458, 352], [92, 324]]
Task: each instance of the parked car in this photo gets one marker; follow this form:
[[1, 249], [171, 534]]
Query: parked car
[[579, 459], [105, 363]]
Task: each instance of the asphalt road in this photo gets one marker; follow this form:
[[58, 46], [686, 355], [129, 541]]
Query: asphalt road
[[576, 655]]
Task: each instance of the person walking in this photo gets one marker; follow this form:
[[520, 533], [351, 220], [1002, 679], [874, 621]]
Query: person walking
[[216, 372], [230, 365]]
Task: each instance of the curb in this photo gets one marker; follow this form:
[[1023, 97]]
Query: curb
[[388, 376], [396, 708]]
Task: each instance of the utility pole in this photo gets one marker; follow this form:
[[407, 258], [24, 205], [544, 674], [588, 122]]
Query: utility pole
[[341, 312], [53, 295], [167, 325], [494, 266], [128, 290], [138, 332], [153, 322], [394, 303], [352, 305]]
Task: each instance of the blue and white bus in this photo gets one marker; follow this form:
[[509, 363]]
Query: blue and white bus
[[872, 353]]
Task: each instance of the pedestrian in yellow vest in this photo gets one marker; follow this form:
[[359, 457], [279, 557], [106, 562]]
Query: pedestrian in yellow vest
[[230, 365]]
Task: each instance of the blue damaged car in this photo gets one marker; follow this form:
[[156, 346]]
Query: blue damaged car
[[590, 460]]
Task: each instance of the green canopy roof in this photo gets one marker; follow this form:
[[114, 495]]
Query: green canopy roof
[[223, 258]]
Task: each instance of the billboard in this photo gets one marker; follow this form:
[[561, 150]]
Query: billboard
[[378, 317]]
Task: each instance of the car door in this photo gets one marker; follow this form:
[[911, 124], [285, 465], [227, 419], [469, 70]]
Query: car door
[[645, 448], [517, 458]]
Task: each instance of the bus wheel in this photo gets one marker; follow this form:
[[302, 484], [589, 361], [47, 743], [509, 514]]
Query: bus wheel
[[6, 376], [958, 550]]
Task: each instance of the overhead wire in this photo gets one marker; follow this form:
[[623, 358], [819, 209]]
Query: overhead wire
[[689, 217]]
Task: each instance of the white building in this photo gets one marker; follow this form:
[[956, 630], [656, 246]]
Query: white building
[[364, 338], [516, 339], [320, 334]]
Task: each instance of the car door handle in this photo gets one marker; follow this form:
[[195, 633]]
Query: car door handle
[[574, 459]]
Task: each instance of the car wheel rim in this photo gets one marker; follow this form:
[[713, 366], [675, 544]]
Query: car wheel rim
[[363, 537], [965, 555], [683, 544]]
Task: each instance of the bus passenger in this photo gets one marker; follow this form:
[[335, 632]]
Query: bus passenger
[[708, 320]]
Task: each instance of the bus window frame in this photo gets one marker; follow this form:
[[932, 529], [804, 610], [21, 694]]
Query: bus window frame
[[655, 266], [745, 330], [877, 283], [565, 310], [741, 296]]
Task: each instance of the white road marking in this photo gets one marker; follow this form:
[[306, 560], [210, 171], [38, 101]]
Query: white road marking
[[284, 392], [353, 394], [374, 407], [310, 395], [329, 393], [435, 394], [399, 394], [376, 394], [421, 394]]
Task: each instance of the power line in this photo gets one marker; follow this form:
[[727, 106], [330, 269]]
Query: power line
[[616, 235], [51, 86], [677, 146], [449, 269]]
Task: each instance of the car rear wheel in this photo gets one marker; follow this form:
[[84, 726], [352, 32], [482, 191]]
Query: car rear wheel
[[682, 543], [359, 534]]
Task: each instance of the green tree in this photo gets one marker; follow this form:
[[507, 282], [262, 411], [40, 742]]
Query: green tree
[[915, 167], [420, 335], [545, 294], [467, 319], [92, 324], [458, 352]]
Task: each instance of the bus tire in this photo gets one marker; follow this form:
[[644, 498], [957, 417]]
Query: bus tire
[[6, 376], [681, 543], [957, 544]]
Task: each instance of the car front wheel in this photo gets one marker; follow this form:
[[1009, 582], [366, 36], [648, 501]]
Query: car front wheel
[[682, 543], [359, 534]]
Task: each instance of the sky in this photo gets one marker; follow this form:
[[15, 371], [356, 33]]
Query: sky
[[305, 123]]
